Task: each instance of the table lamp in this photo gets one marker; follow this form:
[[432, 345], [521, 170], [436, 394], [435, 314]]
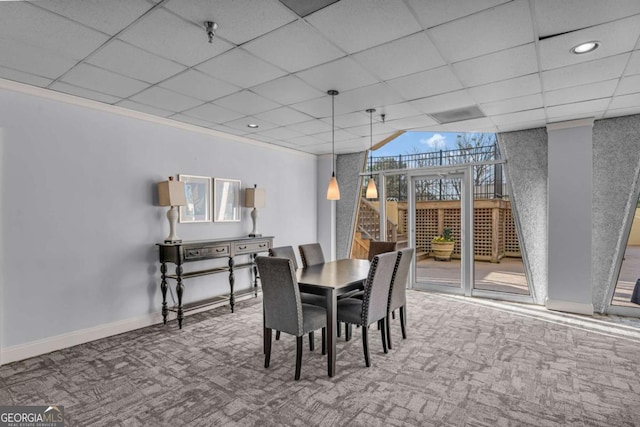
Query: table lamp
[[172, 193], [254, 198]]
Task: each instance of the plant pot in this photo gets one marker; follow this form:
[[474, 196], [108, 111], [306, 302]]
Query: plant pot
[[442, 250]]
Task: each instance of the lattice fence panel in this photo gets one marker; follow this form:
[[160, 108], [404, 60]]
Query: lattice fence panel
[[451, 220], [511, 245], [426, 228], [482, 232]]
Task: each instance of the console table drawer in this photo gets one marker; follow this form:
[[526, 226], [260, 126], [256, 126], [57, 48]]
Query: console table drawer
[[251, 247], [206, 252]]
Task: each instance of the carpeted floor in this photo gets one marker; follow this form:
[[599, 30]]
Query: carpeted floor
[[466, 362]]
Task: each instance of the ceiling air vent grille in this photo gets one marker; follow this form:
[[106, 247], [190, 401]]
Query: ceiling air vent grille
[[458, 115]]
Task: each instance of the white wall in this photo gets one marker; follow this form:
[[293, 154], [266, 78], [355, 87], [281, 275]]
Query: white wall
[[80, 218]]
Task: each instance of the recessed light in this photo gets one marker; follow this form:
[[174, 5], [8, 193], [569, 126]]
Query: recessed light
[[585, 47], [253, 126]]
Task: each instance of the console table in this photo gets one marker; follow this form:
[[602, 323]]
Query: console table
[[201, 250]]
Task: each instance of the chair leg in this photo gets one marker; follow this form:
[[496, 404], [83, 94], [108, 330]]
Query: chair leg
[[267, 347], [324, 341], [311, 343], [383, 333], [403, 321], [277, 335], [298, 356], [338, 329], [347, 331], [388, 328], [365, 346], [393, 314]]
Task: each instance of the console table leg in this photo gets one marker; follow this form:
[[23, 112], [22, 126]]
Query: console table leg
[[232, 280], [179, 291], [163, 289]]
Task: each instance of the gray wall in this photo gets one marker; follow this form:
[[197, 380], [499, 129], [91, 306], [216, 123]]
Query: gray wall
[[526, 170], [80, 218], [348, 168], [616, 167]]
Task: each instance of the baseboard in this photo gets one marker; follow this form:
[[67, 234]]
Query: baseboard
[[569, 306], [58, 342]]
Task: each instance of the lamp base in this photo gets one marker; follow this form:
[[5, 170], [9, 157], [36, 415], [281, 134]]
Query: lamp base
[[255, 235], [173, 241]]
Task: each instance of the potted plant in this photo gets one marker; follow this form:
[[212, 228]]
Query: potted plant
[[442, 246]]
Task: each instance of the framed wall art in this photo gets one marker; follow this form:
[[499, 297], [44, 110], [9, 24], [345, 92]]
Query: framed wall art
[[198, 195], [226, 200]]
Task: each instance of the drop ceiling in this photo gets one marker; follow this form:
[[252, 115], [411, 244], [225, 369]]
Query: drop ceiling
[[484, 65]]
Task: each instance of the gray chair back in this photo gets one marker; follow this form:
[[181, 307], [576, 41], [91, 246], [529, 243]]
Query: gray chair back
[[398, 297], [280, 295], [311, 254], [284, 252], [377, 286], [376, 247]]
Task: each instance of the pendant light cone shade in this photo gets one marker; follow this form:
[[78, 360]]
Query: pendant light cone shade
[[333, 191], [372, 191]]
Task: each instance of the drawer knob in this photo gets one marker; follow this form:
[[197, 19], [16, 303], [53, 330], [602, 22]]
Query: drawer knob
[[220, 250]]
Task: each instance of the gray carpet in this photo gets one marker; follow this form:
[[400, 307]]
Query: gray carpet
[[466, 362]]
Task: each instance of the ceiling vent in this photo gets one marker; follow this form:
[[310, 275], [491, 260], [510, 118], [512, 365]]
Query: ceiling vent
[[458, 115]]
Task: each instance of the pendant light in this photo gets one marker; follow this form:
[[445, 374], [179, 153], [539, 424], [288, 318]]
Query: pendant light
[[372, 191], [333, 191]]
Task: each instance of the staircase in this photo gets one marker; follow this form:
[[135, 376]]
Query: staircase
[[368, 228]]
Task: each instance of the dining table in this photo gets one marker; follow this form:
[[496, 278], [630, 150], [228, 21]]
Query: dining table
[[332, 279]]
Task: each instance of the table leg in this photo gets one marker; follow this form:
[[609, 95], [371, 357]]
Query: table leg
[[232, 280], [332, 316], [163, 289], [179, 291]]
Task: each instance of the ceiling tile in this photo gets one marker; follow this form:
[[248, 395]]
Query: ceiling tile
[[511, 18], [426, 83], [557, 17], [246, 102], [356, 118], [581, 93], [519, 117], [294, 47], [614, 37], [34, 60], [360, 24], [94, 78], [134, 62], [238, 20], [243, 122], [474, 125], [503, 65], [401, 57], [397, 111], [407, 123], [19, 76], [107, 16], [240, 68], [342, 74], [628, 85], [622, 111], [510, 127], [305, 140], [340, 135], [281, 133], [191, 120], [577, 109], [199, 85], [130, 105], [522, 103], [171, 37], [23, 22], [373, 96], [625, 101], [584, 73], [633, 67], [436, 12], [283, 116], [378, 128], [444, 102], [213, 113], [311, 127], [165, 99], [228, 130], [321, 107], [288, 90], [84, 93], [506, 89]]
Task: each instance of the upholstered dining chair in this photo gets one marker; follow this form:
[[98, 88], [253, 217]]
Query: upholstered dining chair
[[398, 293], [311, 254], [282, 308], [287, 252], [377, 247], [374, 306]]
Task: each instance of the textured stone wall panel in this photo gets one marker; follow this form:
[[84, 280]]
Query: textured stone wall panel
[[348, 168]]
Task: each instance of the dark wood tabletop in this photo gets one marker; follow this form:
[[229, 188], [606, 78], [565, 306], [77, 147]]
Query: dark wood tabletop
[[334, 274]]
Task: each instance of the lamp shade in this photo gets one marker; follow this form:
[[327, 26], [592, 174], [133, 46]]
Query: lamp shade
[[171, 193], [333, 191], [372, 191], [254, 198]]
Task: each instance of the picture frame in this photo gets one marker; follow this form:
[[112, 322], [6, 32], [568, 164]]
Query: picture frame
[[198, 195], [226, 200]]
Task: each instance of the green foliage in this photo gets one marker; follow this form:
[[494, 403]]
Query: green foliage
[[446, 236]]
